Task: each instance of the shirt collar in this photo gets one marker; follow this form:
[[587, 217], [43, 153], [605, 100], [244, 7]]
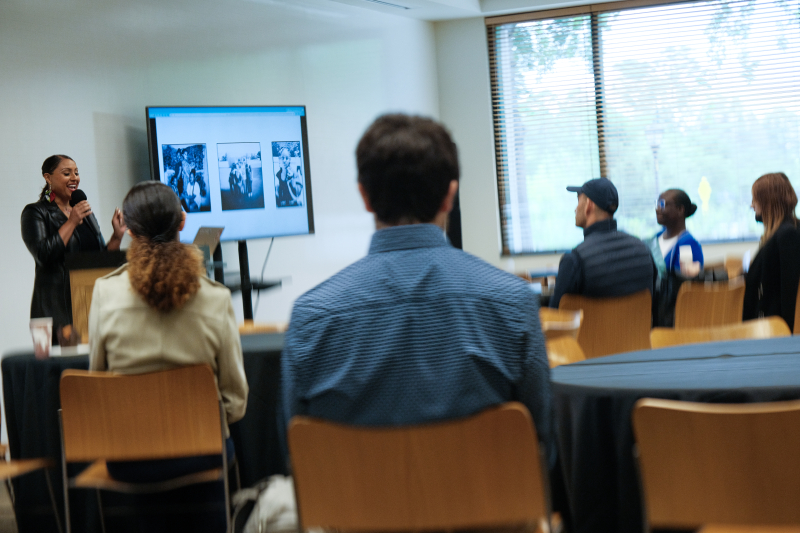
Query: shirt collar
[[603, 226], [407, 237]]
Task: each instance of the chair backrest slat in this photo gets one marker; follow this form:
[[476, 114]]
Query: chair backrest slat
[[557, 323], [563, 351], [482, 471], [612, 325], [718, 463], [760, 328], [174, 413]]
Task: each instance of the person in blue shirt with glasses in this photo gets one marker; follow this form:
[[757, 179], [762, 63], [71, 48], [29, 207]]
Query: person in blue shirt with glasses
[[672, 209], [676, 253]]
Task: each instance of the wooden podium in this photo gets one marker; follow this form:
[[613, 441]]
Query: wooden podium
[[84, 269]]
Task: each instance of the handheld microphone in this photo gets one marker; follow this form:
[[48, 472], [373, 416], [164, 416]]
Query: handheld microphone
[[77, 197]]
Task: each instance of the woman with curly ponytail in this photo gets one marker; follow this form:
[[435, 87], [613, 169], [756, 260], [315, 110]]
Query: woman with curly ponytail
[[159, 311]]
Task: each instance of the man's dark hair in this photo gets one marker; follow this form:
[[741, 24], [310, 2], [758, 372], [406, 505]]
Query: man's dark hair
[[405, 164]]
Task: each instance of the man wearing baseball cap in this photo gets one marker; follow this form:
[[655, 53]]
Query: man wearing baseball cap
[[608, 262]]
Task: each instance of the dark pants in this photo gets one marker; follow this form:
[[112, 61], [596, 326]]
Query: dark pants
[[194, 508]]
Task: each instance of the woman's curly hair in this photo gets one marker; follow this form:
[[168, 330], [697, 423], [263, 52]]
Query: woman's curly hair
[[165, 272]]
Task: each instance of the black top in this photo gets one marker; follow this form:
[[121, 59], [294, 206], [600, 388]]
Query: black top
[[607, 263], [772, 281], [40, 223]]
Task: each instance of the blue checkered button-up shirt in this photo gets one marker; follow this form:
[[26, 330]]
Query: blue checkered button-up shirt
[[414, 332]]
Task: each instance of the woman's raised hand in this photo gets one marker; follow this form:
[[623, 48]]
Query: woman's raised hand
[[118, 223]]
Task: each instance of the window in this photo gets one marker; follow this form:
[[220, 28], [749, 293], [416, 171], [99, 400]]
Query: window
[[701, 96]]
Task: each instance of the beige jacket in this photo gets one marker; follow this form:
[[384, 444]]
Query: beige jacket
[[130, 337]]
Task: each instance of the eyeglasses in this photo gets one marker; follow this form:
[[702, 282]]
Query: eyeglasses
[[661, 204]]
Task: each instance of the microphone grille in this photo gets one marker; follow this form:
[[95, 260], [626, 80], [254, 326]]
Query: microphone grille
[[77, 196]]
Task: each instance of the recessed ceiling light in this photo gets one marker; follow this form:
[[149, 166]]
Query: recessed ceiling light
[[387, 4]]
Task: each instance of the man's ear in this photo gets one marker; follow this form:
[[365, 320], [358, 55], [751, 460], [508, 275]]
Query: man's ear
[[589, 208], [365, 198], [447, 203], [183, 221]]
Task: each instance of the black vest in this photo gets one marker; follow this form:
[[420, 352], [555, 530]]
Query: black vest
[[613, 263]]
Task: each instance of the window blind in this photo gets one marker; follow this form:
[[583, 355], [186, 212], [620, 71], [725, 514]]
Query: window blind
[[701, 96]]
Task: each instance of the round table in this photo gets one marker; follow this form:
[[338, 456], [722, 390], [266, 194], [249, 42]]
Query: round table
[[594, 400], [31, 394]]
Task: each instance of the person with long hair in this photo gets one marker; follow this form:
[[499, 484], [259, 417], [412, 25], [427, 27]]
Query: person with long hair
[[51, 228], [774, 275], [160, 311]]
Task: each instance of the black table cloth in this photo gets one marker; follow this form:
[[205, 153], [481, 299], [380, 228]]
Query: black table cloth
[[31, 396], [594, 400]]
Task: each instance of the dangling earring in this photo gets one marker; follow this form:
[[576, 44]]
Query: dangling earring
[[49, 194]]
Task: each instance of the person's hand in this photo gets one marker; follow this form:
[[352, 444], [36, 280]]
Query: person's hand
[[690, 270], [118, 223], [79, 211]]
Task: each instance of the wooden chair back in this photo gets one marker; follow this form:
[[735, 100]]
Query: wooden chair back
[[81, 286], [701, 304], [524, 275], [734, 267], [760, 328], [612, 325], [482, 471], [563, 351], [249, 327], [558, 323], [718, 463], [728, 528], [160, 415]]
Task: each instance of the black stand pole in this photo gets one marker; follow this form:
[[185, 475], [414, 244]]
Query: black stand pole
[[219, 274], [247, 288]]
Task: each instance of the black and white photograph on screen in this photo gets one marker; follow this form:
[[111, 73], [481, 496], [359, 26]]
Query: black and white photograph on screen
[[241, 180], [185, 172], [287, 164]]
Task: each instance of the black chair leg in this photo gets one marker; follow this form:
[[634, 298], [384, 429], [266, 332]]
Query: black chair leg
[[53, 500], [100, 509]]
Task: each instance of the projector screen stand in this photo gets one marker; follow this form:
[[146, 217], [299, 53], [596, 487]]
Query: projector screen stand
[[244, 283], [247, 288]]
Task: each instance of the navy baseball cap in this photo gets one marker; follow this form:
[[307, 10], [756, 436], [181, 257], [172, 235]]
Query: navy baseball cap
[[601, 191]]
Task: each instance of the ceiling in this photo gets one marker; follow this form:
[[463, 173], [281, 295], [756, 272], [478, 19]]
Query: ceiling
[[46, 31]]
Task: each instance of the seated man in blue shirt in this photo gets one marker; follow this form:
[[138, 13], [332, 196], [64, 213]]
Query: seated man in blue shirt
[[417, 331], [608, 262]]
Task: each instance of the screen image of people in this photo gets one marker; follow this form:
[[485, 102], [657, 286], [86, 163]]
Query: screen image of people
[[217, 160], [241, 181], [185, 172], [287, 165]]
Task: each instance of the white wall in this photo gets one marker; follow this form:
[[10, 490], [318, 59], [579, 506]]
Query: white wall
[[93, 110], [465, 107]]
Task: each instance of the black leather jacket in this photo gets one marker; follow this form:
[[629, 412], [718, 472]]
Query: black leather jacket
[[51, 294]]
